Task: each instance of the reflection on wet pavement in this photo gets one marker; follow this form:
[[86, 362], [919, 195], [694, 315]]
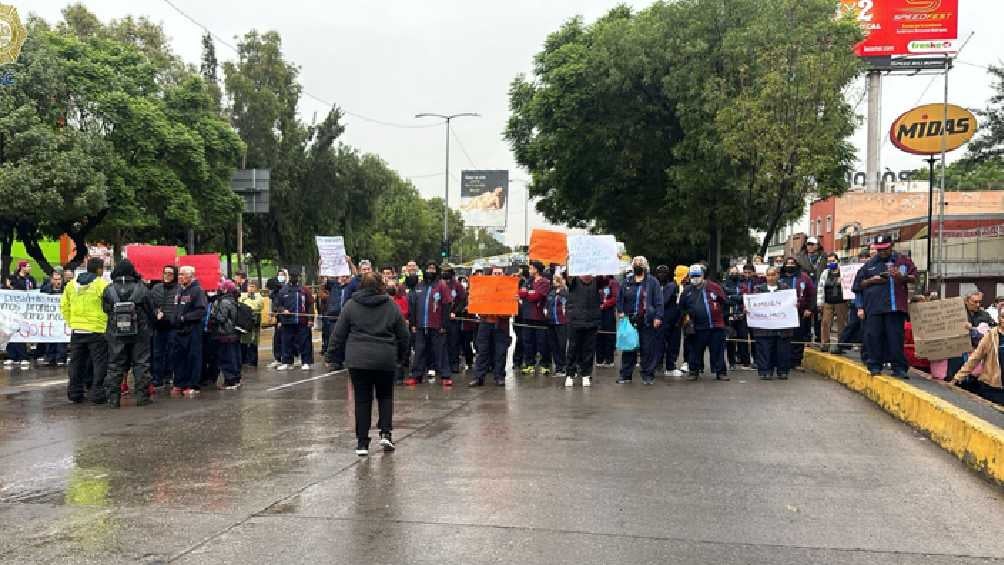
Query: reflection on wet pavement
[[736, 472]]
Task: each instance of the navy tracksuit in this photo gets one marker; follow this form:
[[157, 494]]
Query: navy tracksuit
[[670, 330], [493, 344], [885, 307], [338, 295], [706, 307], [641, 303], [190, 313]]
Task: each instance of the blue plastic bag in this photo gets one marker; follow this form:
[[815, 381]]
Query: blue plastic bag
[[627, 336]]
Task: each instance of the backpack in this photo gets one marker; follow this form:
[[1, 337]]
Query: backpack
[[219, 324], [245, 318], [125, 317]]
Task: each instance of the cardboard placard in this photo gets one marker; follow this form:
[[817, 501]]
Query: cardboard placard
[[150, 260], [939, 328], [548, 247], [207, 269], [37, 316], [772, 310], [493, 296], [847, 274], [331, 250], [593, 255]]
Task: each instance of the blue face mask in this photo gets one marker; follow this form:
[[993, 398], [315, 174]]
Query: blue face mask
[[832, 266]]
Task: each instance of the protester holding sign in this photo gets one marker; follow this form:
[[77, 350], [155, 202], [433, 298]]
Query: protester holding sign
[[17, 352], [883, 283], [535, 343], [55, 353], [640, 302], [490, 297], [583, 312], [773, 346]]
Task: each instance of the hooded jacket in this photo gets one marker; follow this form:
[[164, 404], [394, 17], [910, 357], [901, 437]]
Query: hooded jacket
[[164, 295], [126, 286], [583, 305], [372, 333], [82, 304]]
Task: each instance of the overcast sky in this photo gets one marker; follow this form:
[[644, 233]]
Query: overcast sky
[[393, 59]]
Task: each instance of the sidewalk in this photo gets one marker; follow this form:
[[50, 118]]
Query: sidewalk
[[964, 424]]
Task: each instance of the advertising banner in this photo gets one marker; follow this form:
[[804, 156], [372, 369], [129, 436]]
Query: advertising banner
[[484, 196], [593, 255], [37, 316], [847, 274], [939, 328], [548, 246], [919, 131], [905, 27], [772, 310], [493, 296], [331, 250]]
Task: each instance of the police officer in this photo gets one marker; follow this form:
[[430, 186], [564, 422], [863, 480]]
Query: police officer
[[883, 281], [130, 328]]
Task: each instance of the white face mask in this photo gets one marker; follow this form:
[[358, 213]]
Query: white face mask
[[281, 278], [696, 280]]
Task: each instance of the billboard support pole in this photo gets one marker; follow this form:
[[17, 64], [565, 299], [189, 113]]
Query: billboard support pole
[[930, 221], [941, 215], [874, 142]]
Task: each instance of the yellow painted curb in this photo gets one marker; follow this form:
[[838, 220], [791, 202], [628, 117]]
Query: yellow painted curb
[[975, 441]]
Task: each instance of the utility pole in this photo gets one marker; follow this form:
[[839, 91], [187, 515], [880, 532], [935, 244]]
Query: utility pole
[[447, 118]]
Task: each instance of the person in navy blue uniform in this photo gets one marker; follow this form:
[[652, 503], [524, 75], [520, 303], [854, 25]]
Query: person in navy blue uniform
[[640, 301], [705, 304], [429, 308], [454, 325], [189, 314], [557, 323], [805, 288], [773, 347], [340, 290], [669, 345], [883, 281]]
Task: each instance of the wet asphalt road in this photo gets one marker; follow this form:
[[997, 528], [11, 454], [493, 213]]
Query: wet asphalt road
[[795, 472]]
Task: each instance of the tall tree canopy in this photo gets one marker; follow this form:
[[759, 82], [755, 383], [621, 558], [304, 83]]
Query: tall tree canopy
[[681, 127]]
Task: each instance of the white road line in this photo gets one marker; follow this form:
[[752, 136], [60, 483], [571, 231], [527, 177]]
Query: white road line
[[294, 383]]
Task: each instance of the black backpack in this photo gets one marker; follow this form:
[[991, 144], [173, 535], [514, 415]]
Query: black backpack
[[245, 318], [219, 323], [125, 317]]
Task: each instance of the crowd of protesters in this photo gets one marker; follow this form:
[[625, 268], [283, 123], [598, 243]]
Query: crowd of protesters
[[411, 326]]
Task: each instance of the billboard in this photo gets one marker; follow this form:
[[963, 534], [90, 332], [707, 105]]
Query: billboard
[[906, 27], [484, 196]]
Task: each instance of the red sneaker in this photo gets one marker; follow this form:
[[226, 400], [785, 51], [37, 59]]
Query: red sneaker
[[151, 390], [176, 390], [124, 387], [410, 381], [447, 382]]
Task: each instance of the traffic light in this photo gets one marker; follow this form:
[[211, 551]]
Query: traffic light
[[444, 249]]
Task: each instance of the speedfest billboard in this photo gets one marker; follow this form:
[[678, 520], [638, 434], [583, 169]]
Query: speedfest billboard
[[905, 27]]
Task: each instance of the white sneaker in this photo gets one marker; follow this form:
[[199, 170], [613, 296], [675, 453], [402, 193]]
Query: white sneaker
[[25, 365], [283, 367], [305, 367], [274, 364], [685, 368], [667, 374], [587, 381], [676, 373], [569, 382]]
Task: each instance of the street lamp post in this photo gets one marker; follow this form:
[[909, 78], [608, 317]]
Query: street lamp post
[[446, 201]]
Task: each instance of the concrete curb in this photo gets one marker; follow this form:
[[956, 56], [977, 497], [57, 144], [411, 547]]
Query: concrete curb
[[975, 441]]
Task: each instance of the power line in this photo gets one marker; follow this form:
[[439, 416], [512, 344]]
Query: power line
[[462, 148], [234, 48]]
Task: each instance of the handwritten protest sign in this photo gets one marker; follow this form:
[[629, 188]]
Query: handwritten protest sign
[[493, 296], [772, 310], [207, 269], [548, 247], [847, 274], [37, 316], [150, 260], [939, 328], [331, 250], [593, 255]]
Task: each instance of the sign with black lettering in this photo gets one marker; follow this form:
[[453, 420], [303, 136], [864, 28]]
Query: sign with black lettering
[[920, 131]]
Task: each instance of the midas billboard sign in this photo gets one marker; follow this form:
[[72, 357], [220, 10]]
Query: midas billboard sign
[[905, 27], [920, 130]]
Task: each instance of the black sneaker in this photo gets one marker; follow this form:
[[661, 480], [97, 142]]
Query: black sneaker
[[386, 443], [114, 401], [782, 376], [363, 448], [722, 377], [693, 375]]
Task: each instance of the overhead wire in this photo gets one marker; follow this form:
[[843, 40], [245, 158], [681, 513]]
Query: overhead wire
[[306, 93]]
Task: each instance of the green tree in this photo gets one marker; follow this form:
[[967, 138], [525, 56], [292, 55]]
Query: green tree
[[634, 125]]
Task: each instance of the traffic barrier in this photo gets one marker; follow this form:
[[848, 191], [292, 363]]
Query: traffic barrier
[[975, 441]]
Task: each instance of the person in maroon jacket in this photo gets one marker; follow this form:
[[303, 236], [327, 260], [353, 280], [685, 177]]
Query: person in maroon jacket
[[429, 309], [606, 340], [705, 304], [535, 328], [454, 329], [793, 277]]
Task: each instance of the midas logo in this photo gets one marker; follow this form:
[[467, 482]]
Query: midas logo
[[933, 128], [926, 130]]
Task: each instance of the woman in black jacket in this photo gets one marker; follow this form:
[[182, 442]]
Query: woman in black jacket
[[374, 336]]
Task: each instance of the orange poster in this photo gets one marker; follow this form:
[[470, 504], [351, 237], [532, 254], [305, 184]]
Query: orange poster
[[493, 296], [549, 247]]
